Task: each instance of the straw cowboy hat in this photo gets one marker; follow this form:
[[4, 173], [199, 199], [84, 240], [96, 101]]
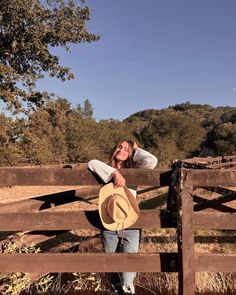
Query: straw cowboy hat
[[118, 208]]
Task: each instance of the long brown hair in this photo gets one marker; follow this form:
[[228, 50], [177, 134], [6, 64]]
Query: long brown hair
[[128, 163]]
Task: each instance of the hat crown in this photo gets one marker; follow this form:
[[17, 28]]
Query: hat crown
[[118, 207]]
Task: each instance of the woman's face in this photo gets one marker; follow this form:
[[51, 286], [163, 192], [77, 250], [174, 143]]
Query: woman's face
[[122, 151]]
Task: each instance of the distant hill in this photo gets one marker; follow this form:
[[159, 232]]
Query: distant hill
[[186, 130], [58, 133]]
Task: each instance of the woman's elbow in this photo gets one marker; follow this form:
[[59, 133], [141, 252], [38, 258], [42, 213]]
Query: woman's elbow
[[153, 163], [149, 163], [92, 164]]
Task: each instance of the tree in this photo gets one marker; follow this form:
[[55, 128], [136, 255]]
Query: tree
[[86, 111], [172, 135], [37, 138], [10, 151], [222, 139], [44, 136], [28, 32]]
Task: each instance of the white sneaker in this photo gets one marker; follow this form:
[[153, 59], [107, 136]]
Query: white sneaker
[[129, 289]]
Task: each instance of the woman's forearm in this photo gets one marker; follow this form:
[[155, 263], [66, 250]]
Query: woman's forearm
[[144, 159], [104, 171]]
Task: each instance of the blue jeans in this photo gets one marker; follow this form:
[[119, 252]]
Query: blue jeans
[[126, 241]]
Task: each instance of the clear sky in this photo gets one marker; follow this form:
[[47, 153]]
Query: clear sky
[[153, 54]]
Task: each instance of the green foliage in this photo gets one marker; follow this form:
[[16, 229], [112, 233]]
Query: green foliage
[[172, 135], [86, 111], [229, 115], [59, 133], [222, 139], [187, 106], [45, 133], [28, 32], [81, 138], [36, 141], [10, 152]]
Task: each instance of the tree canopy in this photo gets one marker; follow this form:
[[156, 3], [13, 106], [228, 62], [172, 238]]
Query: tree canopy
[[29, 30], [59, 133]]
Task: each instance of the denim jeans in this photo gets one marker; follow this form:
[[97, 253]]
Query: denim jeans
[[126, 241]]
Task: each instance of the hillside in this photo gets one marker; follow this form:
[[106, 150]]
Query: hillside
[[58, 133]]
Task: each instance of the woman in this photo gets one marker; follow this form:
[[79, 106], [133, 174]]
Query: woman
[[126, 155]]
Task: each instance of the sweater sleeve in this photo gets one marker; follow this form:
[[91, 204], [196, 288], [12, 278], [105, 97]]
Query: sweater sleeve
[[144, 159], [104, 171]]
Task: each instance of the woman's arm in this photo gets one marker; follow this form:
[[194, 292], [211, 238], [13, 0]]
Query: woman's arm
[[144, 159], [106, 172]]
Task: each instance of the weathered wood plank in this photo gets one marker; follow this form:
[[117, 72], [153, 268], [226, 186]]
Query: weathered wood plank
[[210, 161], [204, 205], [86, 262], [222, 165], [219, 262], [215, 203], [40, 203], [200, 177], [185, 234], [17, 176], [51, 200], [67, 220], [203, 160], [212, 220], [221, 190]]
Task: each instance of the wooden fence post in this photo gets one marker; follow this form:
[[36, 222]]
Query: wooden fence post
[[185, 233]]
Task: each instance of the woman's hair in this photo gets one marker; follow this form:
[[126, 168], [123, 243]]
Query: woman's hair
[[128, 163]]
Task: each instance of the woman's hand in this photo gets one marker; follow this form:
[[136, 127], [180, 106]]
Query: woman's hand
[[118, 179], [135, 146]]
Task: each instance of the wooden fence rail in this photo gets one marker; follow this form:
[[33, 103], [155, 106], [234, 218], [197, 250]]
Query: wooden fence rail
[[186, 262]]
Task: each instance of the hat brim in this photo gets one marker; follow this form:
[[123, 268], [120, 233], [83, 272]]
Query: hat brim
[[106, 220]]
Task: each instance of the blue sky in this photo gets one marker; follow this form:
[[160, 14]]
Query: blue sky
[[153, 54]]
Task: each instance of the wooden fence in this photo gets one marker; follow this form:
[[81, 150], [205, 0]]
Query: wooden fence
[[182, 182]]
